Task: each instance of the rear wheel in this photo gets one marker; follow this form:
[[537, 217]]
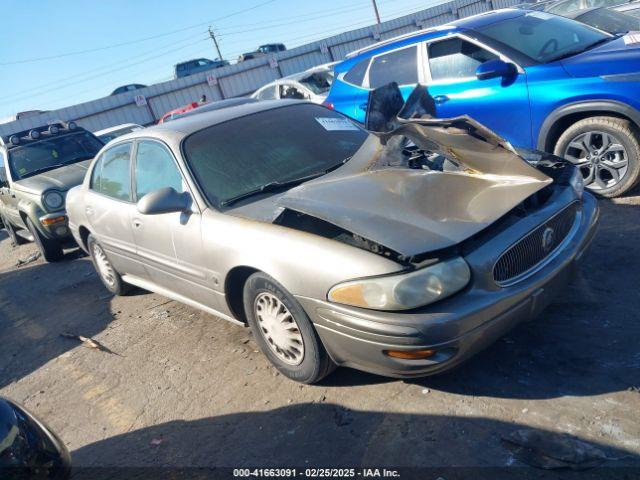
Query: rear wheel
[[284, 332], [607, 152], [50, 249], [11, 231], [110, 278]]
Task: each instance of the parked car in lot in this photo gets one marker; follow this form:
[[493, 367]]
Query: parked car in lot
[[171, 114], [29, 449], [312, 84], [128, 88], [37, 168], [605, 19], [335, 246], [538, 80], [184, 69], [262, 50], [108, 134]]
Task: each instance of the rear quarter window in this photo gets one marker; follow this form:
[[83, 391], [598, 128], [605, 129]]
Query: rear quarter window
[[356, 74]]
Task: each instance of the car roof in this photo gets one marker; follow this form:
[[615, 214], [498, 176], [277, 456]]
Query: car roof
[[189, 124], [468, 23], [115, 128]]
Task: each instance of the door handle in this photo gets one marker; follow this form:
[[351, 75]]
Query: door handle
[[137, 223], [440, 99], [363, 106]]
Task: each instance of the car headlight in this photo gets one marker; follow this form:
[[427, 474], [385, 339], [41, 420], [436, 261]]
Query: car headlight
[[404, 291], [53, 200], [577, 182]]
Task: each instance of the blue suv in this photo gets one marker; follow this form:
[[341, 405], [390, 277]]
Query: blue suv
[[539, 80]]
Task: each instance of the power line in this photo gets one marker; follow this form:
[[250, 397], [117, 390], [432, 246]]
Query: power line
[[215, 42], [107, 47]]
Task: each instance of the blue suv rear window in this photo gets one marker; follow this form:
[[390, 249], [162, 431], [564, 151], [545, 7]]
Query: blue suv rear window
[[355, 76]]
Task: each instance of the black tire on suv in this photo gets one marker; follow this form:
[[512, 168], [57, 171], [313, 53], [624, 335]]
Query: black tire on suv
[[50, 249], [11, 231], [607, 152]]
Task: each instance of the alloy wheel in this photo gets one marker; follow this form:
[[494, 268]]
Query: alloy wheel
[[279, 328], [601, 158], [106, 271]]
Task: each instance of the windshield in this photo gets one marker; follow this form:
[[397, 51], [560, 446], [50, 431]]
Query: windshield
[[280, 145], [610, 20], [544, 37], [53, 152], [319, 82]]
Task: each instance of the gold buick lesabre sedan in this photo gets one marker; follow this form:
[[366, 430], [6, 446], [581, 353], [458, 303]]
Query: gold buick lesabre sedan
[[401, 253]]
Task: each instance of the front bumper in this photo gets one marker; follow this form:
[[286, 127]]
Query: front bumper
[[457, 327], [55, 226]]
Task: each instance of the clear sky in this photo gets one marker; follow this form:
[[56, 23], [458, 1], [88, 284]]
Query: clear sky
[[55, 53]]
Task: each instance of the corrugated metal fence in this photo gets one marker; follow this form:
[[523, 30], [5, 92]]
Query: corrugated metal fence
[[245, 77]]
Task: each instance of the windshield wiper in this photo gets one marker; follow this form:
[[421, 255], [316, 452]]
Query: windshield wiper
[[276, 185], [577, 51]]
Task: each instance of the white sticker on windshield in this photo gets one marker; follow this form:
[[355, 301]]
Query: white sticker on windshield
[[632, 38], [330, 124]]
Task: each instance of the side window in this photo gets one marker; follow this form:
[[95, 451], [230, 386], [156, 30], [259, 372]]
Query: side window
[[456, 59], [355, 76], [4, 182], [268, 93], [155, 168], [400, 66], [111, 175]]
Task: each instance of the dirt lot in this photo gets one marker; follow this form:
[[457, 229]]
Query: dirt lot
[[183, 388]]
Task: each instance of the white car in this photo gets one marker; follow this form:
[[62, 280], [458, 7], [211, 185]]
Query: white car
[[108, 134], [313, 84]]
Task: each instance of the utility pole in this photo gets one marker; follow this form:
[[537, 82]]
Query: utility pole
[[375, 9], [215, 42]]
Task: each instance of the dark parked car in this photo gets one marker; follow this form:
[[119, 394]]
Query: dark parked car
[[128, 88], [190, 67], [29, 449], [605, 19]]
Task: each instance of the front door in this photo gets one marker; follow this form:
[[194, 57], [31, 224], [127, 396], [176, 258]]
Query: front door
[[169, 244], [109, 207], [501, 105]]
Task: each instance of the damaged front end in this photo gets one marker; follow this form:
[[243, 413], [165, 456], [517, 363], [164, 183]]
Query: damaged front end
[[421, 185]]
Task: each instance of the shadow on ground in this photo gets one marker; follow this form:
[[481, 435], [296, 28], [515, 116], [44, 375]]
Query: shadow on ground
[[585, 343], [39, 302], [327, 435]]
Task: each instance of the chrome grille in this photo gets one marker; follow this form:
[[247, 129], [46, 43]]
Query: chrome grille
[[535, 247]]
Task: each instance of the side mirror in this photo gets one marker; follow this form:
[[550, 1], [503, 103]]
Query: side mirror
[[383, 107], [164, 200], [495, 68]]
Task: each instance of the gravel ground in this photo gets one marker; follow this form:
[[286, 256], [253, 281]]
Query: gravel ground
[[182, 388]]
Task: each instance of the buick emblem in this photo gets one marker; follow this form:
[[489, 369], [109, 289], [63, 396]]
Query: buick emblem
[[548, 239]]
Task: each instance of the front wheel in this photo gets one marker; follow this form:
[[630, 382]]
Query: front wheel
[[607, 152], [284, 332], [11, 231], [50, 249]]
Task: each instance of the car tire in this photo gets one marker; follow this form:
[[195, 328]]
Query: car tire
[[108, 275], [50, 249], [11, 231], [283, 331], [596, 164]]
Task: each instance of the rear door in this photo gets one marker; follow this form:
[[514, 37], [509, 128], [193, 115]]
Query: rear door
[[8, 201], [170, 244], [502, 106], [109, 207]]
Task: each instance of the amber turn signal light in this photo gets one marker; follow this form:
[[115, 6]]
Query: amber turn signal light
[[51, 221], [410, 354]]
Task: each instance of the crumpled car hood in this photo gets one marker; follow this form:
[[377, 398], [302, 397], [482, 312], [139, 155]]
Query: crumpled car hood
[[416, 211], [62, 178]]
